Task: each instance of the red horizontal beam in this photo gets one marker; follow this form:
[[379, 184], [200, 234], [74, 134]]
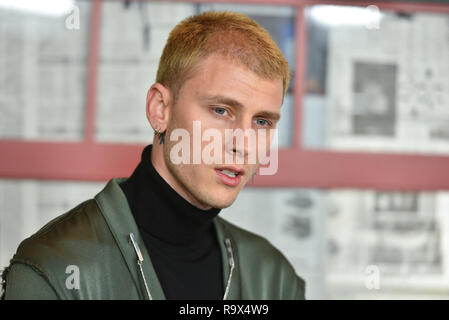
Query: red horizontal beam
[[311, 169], [66, 160], [384, 5], [326, 169]]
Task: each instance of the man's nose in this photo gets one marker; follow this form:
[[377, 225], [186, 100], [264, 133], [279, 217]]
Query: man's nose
[[241, 144], [236, 146], [240, 152]]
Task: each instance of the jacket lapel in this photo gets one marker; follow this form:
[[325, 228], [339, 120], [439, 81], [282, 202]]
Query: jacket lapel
[[115, 209]]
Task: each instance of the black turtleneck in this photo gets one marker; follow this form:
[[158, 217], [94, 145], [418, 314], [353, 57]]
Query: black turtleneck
[[180, 238]]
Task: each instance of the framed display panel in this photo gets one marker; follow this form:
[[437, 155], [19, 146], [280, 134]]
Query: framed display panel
[[103, 150]]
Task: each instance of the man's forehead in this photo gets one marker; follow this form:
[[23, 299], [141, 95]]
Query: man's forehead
[[217, 64], [218, 78], [216, 67]]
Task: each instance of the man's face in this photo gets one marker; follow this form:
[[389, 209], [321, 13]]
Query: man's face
[[222, 95]]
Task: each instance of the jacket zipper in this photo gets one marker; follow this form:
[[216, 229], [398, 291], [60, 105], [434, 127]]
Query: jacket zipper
[[231, 266], [140, 262]]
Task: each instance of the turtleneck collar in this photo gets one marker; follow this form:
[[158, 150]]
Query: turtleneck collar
[[160, 211]]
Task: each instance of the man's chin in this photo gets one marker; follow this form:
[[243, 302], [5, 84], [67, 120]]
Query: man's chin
[[221, 202]]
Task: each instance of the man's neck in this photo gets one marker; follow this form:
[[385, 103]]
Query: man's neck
[[158, 161]]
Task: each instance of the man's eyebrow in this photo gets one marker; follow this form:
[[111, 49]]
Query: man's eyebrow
[[224, 100], [234, 103], [271, 115]]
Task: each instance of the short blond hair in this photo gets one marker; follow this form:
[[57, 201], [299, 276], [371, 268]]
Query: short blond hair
[[233, 35]]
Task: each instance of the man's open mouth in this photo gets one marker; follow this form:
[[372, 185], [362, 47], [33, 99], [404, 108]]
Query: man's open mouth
[[231, 171], [230, 175]]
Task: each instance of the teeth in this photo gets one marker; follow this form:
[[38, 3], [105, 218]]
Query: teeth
[[229, 173]]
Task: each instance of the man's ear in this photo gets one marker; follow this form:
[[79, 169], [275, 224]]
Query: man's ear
[[158, 106]]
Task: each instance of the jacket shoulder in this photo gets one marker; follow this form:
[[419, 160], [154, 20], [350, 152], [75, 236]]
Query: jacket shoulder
[[265, 269], [78, 242], [62, 235]]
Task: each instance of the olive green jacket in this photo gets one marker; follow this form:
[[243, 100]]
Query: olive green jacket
[[86, 253]]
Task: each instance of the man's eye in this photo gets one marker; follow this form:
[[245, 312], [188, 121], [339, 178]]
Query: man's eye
[[220, 111], [262, 122]]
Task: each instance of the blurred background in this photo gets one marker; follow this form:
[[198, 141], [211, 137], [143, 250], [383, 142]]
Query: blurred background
[[360, 204]]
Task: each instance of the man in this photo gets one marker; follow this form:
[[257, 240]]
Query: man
[[156, 235]]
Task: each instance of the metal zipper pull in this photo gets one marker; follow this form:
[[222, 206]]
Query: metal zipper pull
[[139, 263], [231, 265]]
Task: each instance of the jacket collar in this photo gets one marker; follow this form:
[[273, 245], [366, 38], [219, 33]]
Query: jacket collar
[[117, 213]]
